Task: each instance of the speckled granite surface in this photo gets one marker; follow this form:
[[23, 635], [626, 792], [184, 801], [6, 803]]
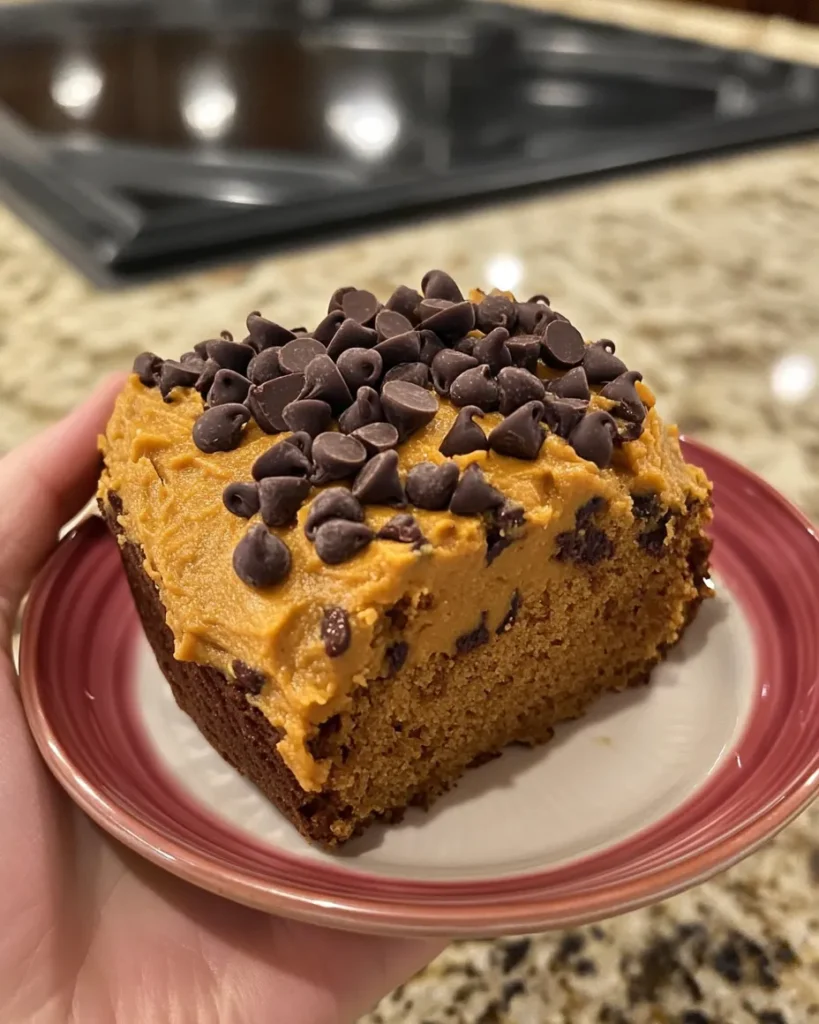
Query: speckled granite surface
[[707, 278]]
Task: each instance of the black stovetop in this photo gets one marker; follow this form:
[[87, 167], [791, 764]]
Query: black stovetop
[[141, 137]]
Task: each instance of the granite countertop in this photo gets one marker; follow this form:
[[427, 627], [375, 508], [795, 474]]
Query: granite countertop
[[706, 278]]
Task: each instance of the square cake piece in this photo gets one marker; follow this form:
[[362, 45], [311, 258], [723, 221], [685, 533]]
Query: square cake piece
[[372, 556]]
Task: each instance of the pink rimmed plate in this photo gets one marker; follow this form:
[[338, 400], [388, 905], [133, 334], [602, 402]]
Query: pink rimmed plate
[[652, 792]]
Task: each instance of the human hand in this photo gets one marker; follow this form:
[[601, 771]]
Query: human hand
[[90, 932]]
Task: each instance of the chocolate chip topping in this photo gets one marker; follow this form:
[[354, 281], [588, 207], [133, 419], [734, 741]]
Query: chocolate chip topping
[[336, 456], [474, 494], [351, 335], [241, 499], [437, 284], [407, 406], [517, 387], [308, 415], [600, 362], [193, 360], [360, 367], [323, 380], [329, 325], [338, 295], [230, 355], [464, 436], [622, 391], [475, 638], [207, 375], [377, 437], [493, 351], [450, 322], [176, 375], [412, 373], [280, 498], [360, 305], [495, 311], [338, 540], [301, 440], [228, 386], [267, 401], [281, 459], [404, 529], [431, 486], [400, 348], [265, 366], [265, 334], [378, 483], [147, 367], [593, 438], [390, 324], [465, 345], [511, 616], [405, 301], [431, 345], [447, 366], [525, 352], [220, 429], [561, 415], [562, 345], [260, 559], [573, 384], [532, 314], [335, 631], [519, 435], [296, 354], [248, 679], [334, 503], [476, 387], [365, 409]]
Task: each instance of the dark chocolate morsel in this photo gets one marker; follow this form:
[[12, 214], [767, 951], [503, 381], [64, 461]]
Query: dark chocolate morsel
[[476, 387], [333, 503], [280, 498], [492, 350], [396, 655], [147, 366], [437, 284], [281, 459], [323, 380], [447, 366], [204, 382], [519, 434], [517, 387], [561, 415], [230, 355], [267, 401], [451, 322], [525, 351], [502, 527], [302, 440], [600, 362], [378, 483], [338, 295], [405, 301], [365, 409], [377, 437], [584, 515], [464, 436], [201, 349], [265, 334], [495, 311], [360, 305], [627, 431], [540, 298], [400, 348], [573, 384], [511, 616], [360, 367], [310, 415], [622, 391], [260, 559], [407, 407], [248, 679], [404, 529], [414, 373], [351, 335], [228, 386], [475, 638], [532, 315], [335, 631], [265, 366], [465, 345], [296, 354], [192, 359], [474, 494], [328, 326], [338, 540], [593, 438], [336, 456], [646, 506], [220, 429], [431, 345], [390, 324], [241, 499], [562, 345], [587, 544], [176, 375], [430, 486]]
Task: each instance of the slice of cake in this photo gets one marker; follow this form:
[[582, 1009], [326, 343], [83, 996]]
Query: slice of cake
[[371, 556]]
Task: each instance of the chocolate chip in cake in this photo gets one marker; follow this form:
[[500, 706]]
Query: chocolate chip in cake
[[338, 295], [323, 380], [404, 529], [360, 367], [265, 366], [265, 334], [587, 545], [503, 525], [267, 401], [562, 345], [336, 456], [230, 355], [589, 509], [447, 366], [334, 503], [474, 494], [431, 345], [360, 305], [335, 631], [495, 311], [329, 325], [431, 486], [413, 373], [525, 352], [600, 362], [176, 375], [652, 540], [228, 386], [449, 322], [365, 409], [377, 437], [302, 440], [351, 334], [511, 616], [396, 655], [646, 506], [338, 540], [622, 391], [405, 301], [475, 638], [248, 679], [147, 367], [241, 499], [207, 375], [220, 429], [378, 483], [627, 431], [437, 284], [476, 387], [281, 459], [593, 438], [400, 348], [260, 559], [308, 415], [519, 435], [407, 407], [281, 497], [517, 387], [464, 436], [492, 350], [573, 384], [562, 415], [296, 354]]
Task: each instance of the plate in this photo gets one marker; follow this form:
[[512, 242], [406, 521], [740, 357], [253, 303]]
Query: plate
[[652, 792]]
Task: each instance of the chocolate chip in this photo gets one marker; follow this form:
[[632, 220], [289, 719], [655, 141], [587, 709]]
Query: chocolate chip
[[622, 391], [390, 324], [351, 335], [646, 506], [437, 284], [248, 679], [562, 415], [431, 345], [447, 366], [652, 541], [593, 438], [404, 529], [360, 367], [307, 415], [562, 346], [495, 311], [265, 366], [450, 322], [207, 375], [407, 406], [465, 345], [201, 348], [502, 527], [265, 334], [531, 315], [544, 299], [301, 440], [228, 386], [627, 431], [525, 352], [378, 483], [220, 429], [193, 360], [405, 301], [476, 638], [600, 362], [365, 409], [323, 380], [296, 354], [517, 387], [230, 355], [147, 366], [335, 631], [400, 348], [413, 373], [589, 510], [431, 486], [464, 436], [573, 384], [360, 305], [268, 400], [476, 387], [261, 559], [338, 540], [492, 350], [396, 655], [281, 459], [334, 503], [336, 456], [511, 616], [241, 499], [587, 545], [329, 325], [280, 498], [474, 494], [519, 435], [176, 375], [377, 437], [338, 295]]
